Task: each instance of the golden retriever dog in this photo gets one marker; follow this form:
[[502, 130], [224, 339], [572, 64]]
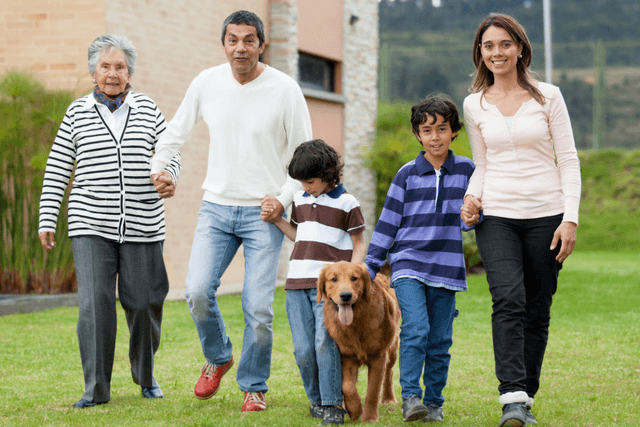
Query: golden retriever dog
[[362, 317]]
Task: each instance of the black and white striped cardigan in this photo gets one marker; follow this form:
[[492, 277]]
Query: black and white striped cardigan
[[112, 195]]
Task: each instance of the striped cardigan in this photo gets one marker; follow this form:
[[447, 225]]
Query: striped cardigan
[[324, 226], [422, 234], [112, 195]]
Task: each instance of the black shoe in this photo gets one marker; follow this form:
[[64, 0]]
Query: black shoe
[[513, 415], [529, 418], [317, 411], [82, 404], [435, 414], [333, 415], [413, 409], [153, 392]]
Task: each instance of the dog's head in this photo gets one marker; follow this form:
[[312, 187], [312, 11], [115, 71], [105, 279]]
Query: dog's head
[[343, 284]]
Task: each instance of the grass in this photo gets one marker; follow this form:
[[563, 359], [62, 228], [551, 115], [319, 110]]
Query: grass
[[591, 375]]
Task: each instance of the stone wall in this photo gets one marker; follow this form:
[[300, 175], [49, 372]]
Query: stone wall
[[359, 83]]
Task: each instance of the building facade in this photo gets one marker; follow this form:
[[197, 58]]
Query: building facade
[[330, 47]]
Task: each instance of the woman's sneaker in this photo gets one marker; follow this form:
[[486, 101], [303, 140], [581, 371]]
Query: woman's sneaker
[[513, 415]]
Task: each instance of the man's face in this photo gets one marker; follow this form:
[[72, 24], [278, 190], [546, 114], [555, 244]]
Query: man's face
[[242, 47]]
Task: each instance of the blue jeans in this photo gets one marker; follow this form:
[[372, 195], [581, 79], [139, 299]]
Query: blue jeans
[[219, 233], [425, 338], [523, 276], [317, 354]]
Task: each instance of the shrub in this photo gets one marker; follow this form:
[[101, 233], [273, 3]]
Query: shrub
[[29, 120]]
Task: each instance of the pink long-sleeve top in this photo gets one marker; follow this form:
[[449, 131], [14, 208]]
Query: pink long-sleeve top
[[517, 175]]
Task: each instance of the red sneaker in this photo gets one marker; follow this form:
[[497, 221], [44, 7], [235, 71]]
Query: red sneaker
[[209, 382], [254, 402]]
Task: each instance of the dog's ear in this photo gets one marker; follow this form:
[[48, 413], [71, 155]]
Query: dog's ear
[[321, 280], [366, 280]]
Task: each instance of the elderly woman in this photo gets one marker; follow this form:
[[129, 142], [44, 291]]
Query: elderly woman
[[116, 216]]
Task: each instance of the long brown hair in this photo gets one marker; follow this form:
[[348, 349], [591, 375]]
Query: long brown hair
[[483, 78]]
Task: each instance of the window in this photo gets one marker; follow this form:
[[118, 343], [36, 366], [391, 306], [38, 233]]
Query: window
[[317, 73]]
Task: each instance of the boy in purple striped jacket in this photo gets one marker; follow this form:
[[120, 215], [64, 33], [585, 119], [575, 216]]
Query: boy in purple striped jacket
[[419, 229]]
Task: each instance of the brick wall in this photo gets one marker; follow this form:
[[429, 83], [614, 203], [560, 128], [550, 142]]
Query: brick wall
[[49, 39]]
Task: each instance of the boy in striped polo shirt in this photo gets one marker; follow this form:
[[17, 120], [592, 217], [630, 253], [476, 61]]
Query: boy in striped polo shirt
[[419, 230], [327, 226]]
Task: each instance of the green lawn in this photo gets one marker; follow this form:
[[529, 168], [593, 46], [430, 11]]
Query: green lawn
[[591, 375]]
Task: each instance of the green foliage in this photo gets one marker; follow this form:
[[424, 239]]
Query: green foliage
[[396, 145], [590, 374], [610, 205], [29, 119]]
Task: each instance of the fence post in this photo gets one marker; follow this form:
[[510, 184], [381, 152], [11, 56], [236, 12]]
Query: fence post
[[599, 93], [385, 84]]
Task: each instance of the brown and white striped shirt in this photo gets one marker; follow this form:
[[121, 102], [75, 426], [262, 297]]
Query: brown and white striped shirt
[[324, 225]]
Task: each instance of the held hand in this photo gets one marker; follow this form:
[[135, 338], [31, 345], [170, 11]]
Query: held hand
[[272, 209], [164, 184], [470, 210], [566, 233], [47, 240]]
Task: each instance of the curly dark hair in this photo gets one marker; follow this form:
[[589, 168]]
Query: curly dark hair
[[316, 159], [432, 105]]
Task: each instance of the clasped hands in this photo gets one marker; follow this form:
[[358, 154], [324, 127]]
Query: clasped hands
[[470, 210], [272, 209], [164, 184]]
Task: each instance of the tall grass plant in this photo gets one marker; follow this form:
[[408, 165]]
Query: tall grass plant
[[29, 120]]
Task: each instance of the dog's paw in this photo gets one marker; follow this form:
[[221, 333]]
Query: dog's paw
[[389, 401]]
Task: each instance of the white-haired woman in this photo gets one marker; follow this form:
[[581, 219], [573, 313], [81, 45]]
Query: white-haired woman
[[116, 216]]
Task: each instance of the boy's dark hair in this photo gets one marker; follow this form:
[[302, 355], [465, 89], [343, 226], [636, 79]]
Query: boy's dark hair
[[243, 17], [432, 105], [315, 159]]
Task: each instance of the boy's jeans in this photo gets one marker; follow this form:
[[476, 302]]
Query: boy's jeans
[[219, 233], [425, 338], [317, 354]]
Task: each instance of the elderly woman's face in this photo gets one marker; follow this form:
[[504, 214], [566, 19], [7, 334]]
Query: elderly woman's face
[[112, 73]]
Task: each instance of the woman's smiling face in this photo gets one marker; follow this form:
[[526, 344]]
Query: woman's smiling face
[[499, 51], [112, 73]]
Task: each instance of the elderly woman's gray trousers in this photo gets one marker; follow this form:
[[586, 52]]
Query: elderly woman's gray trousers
[[139, 272]]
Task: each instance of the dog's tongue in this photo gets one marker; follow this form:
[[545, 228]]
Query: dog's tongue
[[345, 313]]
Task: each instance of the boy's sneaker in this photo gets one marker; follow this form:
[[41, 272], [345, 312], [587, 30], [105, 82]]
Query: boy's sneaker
[[435, 414], [513, 415], [529, 418], [413, 409], [254, 401], [333, 415], [209, 382], [317, 411]]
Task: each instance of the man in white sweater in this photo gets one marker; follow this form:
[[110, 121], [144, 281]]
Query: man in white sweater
[[256, 116]]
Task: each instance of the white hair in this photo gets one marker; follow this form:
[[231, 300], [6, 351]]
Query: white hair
[[112, 41]]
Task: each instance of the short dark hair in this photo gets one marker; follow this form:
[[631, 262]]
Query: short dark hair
[[432, 105], [316, 159], [247, 18]]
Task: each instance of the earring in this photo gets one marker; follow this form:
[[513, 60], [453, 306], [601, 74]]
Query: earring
[[520, 56]]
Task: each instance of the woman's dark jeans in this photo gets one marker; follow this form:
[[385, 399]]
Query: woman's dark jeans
[[523, 276]]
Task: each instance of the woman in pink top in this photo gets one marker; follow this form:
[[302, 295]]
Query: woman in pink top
[[527, 181]]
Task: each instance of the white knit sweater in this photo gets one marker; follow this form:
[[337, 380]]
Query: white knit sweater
[[254, 129]]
